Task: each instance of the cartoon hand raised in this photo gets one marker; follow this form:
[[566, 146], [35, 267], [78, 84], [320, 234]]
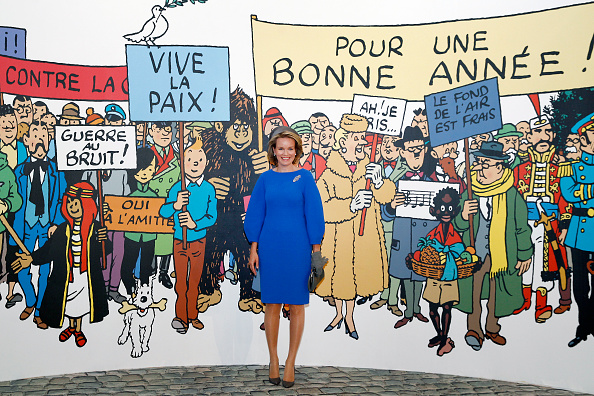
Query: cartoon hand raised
[[221, 185], [102, 234], [374, 173], [259, 161]]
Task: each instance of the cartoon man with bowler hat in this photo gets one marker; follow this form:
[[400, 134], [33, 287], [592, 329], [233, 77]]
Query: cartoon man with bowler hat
[[502, 241]]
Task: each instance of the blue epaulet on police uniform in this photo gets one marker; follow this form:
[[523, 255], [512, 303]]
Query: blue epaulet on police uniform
[[566, 168]]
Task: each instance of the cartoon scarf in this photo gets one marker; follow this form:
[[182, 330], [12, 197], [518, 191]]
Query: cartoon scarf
[[497, 190]]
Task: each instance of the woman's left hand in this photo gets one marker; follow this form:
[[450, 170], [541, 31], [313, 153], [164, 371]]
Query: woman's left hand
[[254, 262]]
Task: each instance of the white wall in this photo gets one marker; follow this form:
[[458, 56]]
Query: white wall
[[90, 33]]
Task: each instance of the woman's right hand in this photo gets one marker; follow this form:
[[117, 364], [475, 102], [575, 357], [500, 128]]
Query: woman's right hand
[[254, 261]]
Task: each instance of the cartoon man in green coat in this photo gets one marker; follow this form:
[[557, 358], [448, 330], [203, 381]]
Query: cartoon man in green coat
[[168, 173], [502, 241]]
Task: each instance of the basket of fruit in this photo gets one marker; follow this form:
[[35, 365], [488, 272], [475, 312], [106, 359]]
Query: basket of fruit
[[430, 263]]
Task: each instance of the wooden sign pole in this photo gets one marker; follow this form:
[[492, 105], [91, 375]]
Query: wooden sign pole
[[101, 218], [180, 137], [469, 188]]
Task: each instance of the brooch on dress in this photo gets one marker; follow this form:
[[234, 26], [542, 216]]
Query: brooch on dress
[[296, 178]]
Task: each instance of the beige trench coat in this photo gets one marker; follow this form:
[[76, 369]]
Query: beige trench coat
[[358, 265]]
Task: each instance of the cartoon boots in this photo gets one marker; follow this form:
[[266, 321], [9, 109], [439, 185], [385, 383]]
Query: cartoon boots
[[542, 311]]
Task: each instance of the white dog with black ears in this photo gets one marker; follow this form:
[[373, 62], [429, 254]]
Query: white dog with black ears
[[139, 315]]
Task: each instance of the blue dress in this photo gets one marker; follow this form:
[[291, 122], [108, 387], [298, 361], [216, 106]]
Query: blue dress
[[286, 218]]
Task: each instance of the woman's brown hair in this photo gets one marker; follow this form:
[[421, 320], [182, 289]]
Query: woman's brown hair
[[284, 132]]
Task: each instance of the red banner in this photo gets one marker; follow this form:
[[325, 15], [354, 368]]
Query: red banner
[[61, 81]]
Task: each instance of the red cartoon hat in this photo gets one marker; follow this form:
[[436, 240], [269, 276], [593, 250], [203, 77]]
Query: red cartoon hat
[[272, 113]]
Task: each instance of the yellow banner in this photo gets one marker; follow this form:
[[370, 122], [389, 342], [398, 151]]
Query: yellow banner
[[528, 53]]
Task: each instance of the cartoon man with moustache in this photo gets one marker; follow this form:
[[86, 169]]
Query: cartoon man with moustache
[[576, 187], [510, 138], [445, 170], [42, 187], [537, 180]]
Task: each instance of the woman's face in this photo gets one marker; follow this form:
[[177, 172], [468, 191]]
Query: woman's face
[[351, 146], [285, 151]]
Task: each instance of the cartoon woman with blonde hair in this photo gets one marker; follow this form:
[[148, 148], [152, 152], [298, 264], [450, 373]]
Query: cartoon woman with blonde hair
[[360, 265]]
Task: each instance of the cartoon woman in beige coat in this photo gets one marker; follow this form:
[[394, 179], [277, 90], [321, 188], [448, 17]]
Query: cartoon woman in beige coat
[[357, 264]]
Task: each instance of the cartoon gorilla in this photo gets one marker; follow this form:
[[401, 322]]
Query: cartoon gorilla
[[234, 165]]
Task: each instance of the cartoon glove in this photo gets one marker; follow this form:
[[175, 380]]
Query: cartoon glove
[[374, 172], [361, 200]]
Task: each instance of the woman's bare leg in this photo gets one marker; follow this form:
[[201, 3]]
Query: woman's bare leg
[[78, 325], [296, 326], [338, 316], [271, 322], [350, 308]]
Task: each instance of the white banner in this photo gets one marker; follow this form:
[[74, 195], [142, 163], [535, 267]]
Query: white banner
[[84, 147], [385, 115]]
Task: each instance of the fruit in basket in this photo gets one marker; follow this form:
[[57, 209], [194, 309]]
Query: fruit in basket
[[430, 256], [417, 255], [466, 257], [471, 250], [442, 258]]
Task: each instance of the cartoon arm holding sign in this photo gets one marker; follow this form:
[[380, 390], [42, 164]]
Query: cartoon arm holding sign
[[194, 208]]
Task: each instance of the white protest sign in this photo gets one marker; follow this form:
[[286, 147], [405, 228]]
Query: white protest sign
[[419, 197], [85, 147], [385, 115]]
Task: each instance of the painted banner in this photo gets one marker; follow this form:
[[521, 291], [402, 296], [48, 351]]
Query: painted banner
[[84, 147], [463, 112], [61, 81], [178, 83], [411, 61], [13, 42], [419, 197], [385, 115], [136, 214]]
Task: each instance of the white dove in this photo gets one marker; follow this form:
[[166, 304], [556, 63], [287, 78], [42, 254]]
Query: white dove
[[152, 29]]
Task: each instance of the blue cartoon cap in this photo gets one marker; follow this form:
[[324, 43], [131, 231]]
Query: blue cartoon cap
[[116, 110], [583, 125]]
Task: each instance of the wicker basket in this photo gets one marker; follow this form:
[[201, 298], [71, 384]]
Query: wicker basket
[[435, 271]]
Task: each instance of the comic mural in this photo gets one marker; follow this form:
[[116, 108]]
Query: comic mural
[[454, 157]]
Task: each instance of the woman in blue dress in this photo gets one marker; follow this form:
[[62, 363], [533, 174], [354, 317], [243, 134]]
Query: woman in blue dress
[[285, 225]]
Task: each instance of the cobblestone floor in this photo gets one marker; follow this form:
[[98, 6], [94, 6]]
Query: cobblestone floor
[[244, 380]]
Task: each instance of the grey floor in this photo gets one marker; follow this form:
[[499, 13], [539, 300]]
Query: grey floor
[[252, 380]]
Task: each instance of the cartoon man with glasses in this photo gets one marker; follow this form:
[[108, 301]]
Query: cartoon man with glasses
[[502, 241], [23, 109]]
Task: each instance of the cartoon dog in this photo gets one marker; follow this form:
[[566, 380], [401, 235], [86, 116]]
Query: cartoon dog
[[139, 316]]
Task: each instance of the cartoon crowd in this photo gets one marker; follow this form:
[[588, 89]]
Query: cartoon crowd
[[514, 231]]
